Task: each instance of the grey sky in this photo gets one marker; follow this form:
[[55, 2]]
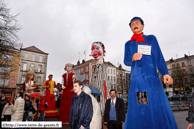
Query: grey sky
[[63, 28]]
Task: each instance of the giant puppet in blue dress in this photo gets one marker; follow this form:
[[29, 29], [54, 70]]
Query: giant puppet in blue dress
[[148, 106]]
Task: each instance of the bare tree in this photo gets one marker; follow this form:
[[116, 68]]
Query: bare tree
[[9, 48]]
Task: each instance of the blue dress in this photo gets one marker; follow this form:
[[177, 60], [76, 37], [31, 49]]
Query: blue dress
[[156, 113]]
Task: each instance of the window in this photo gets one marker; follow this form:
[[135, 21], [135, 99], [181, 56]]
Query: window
[[111, 78], [40, 58], [40, 68], [173, 66], [25, 56], [5, 69], [123, 74], [39, 80], [184, 72], [86, 76], [4, 81], [191, 71], [23, 79], [111, 71], [108, 70], [117, 80], [24, 68], [82, 70], [111, 86], [33, 57], [114, 79], [114, 72], [186, 80], [189, 62], [6, 57], [32, 67], [178, 65], [86, 68], [183, 64]]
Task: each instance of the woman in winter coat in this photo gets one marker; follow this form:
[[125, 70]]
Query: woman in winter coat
[[7, 111], [2, 104], [28, 108], [96, 122], [18, 108]]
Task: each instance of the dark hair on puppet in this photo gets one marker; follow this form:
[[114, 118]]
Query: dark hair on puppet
[[79, 82], [102, 45]]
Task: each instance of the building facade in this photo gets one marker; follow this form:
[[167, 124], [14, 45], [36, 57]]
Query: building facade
[[121, 81], [182, 72], [9, 64], [32, 59]]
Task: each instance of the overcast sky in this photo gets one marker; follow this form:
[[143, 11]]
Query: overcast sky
[[63, 28]]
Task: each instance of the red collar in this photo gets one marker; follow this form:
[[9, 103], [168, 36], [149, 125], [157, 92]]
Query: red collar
[[138, 38]]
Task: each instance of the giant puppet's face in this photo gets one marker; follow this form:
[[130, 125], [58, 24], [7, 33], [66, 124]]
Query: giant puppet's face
[[97, 53], [136, 27]]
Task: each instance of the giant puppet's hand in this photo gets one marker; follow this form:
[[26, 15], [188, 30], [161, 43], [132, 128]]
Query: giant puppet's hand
[[137, 56], [167, 79], [63, 87]]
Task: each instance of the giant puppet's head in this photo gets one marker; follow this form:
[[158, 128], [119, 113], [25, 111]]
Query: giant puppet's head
[[30, 76], [136, 25], [98, 52]]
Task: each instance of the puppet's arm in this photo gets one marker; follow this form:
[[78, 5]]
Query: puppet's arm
[[160, 62]]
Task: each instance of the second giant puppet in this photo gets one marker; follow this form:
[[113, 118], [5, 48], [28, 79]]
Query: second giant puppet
[[67, 85], [98, 74], [49, 85], [148, 106]]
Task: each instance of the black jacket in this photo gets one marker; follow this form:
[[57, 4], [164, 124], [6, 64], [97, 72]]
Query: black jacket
[[57, 104], [81, 111], [2, 104], [120, 110], [190, 117]]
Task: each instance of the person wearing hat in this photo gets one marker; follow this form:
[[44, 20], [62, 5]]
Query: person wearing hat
[[49, 85], [67, 85], [144, 56]]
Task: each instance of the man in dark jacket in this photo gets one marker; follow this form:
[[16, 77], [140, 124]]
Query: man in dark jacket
[[57, 104], [114, 114], [2, 104], [81, 111], [190, 117]]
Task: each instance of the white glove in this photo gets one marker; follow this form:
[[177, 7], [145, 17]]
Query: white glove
[[63, 87], [2, 117]]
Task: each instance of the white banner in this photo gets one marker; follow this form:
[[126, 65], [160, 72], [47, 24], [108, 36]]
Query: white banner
[[29, 124]]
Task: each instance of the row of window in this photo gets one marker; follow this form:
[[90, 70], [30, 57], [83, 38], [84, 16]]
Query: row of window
[[81, 70], [182, 63], [121, 74], [111, 71], [5, 69], [32, 67], [33, 57], [182, 72], [112, 78], [38, 79], [6, 57]]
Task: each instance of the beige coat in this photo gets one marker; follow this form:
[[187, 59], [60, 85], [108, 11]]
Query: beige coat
[[7, 110], [96, 122], [18, 110]]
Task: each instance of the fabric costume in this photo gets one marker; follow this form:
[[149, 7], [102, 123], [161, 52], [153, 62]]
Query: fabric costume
[[25, 87], [157, 113], [99, 80], [66, 97], [51, 110]]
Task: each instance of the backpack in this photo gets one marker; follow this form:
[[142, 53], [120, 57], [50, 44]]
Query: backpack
[[46, 104]]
